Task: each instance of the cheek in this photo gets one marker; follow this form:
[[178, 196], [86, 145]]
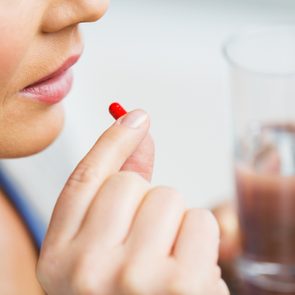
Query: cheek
[[9, 59], [17, 28]]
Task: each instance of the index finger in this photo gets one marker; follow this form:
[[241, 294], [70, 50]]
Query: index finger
[[104, 159]]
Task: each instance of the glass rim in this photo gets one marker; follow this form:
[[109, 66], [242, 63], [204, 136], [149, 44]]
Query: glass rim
[[248, 32]]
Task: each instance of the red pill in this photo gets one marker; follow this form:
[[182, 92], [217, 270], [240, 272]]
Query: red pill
[[116, 110]]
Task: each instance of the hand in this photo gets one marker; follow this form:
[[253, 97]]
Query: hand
[[111, 233]]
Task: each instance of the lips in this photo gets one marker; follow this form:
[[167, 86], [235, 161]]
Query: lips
[[54, 87]]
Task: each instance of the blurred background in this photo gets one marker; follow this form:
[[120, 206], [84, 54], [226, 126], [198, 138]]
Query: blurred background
[[165, 57]]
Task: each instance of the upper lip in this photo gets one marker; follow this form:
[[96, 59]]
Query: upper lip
[[66, 65]]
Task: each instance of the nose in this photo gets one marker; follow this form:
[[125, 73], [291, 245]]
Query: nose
[[61, 14]]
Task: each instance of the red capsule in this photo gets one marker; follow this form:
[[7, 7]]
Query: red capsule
[[116, 110]]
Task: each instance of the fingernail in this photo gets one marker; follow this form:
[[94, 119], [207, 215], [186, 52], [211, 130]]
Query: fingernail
[[134, 119]]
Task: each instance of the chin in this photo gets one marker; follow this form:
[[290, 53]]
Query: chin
[[31, 133]]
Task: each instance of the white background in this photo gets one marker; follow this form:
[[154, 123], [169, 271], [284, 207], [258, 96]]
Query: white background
[[162, 56]]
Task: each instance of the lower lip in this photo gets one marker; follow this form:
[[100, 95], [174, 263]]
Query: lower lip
[[51, 91]]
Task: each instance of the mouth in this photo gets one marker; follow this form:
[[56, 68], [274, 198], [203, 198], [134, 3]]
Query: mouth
[[54, 87]]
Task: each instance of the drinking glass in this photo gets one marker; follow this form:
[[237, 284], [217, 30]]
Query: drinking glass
[[261, 65]]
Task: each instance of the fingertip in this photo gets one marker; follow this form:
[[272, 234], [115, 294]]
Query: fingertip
[[134, 119]]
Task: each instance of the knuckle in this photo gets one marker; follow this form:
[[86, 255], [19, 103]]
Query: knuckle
[[129, 282], [206, 218], [181, 287], [83, 279], [83, 174], [177, 288]]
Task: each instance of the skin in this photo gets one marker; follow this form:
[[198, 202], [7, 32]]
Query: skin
[[111, 232]]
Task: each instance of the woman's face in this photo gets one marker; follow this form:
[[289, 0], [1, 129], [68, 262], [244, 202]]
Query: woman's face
[[37, 39]]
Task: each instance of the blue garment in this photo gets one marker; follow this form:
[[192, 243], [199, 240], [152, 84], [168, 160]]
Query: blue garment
[[33, 222]]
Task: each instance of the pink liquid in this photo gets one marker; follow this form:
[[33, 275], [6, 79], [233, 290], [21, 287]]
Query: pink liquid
[[267, 215], [265, 186]]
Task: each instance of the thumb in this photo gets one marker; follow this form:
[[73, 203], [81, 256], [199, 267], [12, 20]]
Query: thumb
[[142, 159]]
